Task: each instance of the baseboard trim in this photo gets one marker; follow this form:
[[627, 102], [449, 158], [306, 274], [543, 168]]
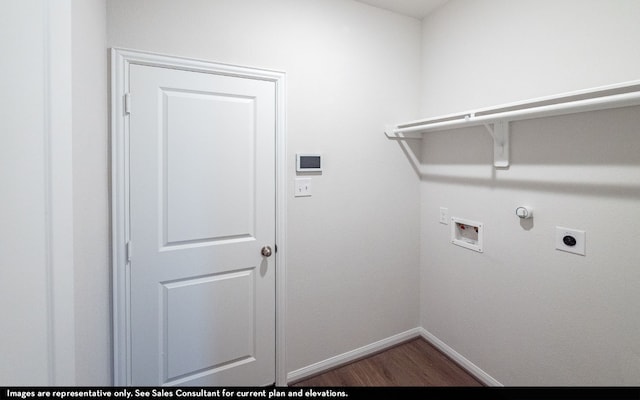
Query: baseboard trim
[[384, 344], [352, 355], [459, 359]]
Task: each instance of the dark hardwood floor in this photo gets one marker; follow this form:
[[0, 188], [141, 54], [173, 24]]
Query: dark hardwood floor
[[414, 363]]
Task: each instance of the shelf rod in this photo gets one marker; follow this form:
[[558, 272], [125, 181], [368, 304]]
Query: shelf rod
[[470, 119]]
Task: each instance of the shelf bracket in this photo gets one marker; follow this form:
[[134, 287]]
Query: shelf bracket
[[500, 134], [390, 133]]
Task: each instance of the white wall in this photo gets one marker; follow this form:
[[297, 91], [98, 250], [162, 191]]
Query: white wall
[[486, 52], [352, 255], [54, 282], [522, 311], [91, 193], [36, 233], [23, 275]]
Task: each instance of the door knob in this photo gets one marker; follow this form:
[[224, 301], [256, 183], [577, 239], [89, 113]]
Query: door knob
[[266, 251]]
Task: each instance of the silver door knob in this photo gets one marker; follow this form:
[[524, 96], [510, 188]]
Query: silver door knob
[[266, 251]]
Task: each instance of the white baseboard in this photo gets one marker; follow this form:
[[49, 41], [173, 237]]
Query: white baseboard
[[459, 359], [383, 344], [353, 355]]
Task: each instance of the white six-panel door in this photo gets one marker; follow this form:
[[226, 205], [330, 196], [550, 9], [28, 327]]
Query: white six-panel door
[[202, 207]]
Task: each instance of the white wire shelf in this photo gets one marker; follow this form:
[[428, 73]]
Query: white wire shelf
[[496, 119]]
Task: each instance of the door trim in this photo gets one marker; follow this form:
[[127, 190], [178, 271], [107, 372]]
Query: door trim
[[121, 59]]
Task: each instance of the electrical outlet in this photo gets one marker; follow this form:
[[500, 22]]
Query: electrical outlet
[[570, 240], [444, 215]]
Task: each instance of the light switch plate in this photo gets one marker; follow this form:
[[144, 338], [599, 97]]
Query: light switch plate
[[302, 187], [444, 215], [570, 240]]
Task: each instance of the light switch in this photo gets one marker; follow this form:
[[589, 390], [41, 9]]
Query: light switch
[[444, 215], [303, 187]]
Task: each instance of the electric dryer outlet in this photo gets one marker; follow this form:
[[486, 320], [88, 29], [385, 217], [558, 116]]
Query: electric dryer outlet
[[571, 240]]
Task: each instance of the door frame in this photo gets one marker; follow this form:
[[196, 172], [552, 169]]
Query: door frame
[[121, 59]]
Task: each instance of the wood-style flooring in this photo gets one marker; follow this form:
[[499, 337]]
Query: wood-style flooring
[[414, 363]]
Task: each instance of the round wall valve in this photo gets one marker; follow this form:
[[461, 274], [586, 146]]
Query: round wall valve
[[524, 212]]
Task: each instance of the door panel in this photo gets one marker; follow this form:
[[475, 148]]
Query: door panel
[[202, 205], [198, 315]]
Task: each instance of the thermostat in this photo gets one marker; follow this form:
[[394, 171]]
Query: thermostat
[[308, 162]]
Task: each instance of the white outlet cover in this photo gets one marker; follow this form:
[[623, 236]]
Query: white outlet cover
[[579, 236]]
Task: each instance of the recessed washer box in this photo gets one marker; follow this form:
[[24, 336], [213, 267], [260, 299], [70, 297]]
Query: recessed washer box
[[467, 233]]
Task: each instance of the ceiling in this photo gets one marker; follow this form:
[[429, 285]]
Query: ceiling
[[412, 8]]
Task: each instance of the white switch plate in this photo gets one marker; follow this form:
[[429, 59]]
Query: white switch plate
[[579, 236], [303, 187], [444, 215]]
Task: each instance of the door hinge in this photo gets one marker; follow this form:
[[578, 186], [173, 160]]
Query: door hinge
[[127, 103], [128, 251]]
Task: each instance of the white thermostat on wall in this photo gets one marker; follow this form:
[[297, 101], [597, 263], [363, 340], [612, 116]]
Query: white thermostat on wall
[[308, 162]]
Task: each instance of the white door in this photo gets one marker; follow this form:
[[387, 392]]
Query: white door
[[202, 210]]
